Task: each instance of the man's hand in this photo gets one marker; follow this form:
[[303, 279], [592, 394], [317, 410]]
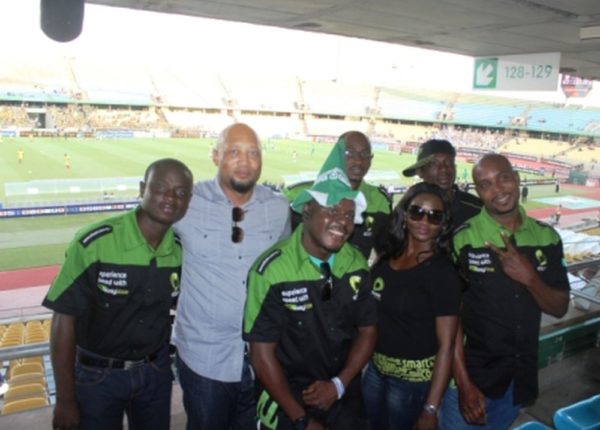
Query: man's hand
[[471, 402], [514, 264], [426, 421], [66, 415], [320, 394]]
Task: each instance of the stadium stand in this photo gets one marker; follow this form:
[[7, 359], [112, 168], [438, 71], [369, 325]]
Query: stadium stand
[[24, 405], [319, 126], [400, 104], [561, 119], [260, 93], [537, 147], [334, 98]]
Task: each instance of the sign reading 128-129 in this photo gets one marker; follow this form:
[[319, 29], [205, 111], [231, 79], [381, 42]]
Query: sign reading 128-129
[[529, 72]]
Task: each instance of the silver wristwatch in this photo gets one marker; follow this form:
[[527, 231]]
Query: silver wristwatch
[[430, 409]]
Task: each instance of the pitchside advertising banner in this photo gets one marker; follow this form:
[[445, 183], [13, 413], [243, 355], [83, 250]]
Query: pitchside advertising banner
[[530, 72], [66, 209]]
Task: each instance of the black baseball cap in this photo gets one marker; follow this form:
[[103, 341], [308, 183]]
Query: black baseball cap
[[426, 153]]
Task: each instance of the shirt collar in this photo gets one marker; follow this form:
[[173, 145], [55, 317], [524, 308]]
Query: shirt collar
[[337, 261], [492, 225], [133, 237]]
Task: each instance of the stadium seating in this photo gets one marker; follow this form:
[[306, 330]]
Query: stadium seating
[[334, 98], [27, 368], [28, 378], [490, 115], [24, 405], [537, 147], [583, 415], [18, 392], [38, 359], [560, 119]]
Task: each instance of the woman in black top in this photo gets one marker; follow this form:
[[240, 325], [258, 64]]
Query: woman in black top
[[418, 292]]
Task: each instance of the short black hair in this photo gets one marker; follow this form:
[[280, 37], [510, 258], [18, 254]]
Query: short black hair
[[163, 162]]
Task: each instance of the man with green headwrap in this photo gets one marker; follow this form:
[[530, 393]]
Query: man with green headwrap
[[357, 162], [309, 316]]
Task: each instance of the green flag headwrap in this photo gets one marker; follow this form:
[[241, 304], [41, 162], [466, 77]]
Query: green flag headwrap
[[332, 185]]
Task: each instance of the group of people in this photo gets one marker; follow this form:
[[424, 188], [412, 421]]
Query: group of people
[[282, 323]]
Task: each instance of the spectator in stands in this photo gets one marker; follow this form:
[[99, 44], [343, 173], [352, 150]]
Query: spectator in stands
[[358, 157], [110, 332], [310, 316], [514, 269], [230, 222], [418, 292], [436, 165]]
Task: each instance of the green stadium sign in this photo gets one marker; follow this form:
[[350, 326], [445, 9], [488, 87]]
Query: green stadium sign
[[531, 72]]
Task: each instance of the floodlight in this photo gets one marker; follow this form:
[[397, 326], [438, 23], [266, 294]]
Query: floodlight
[[62, 20]]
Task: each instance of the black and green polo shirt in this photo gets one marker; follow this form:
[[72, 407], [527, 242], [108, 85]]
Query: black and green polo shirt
[[500, 318], [119, 289], [379, 206], [284, 305], [463, 206]]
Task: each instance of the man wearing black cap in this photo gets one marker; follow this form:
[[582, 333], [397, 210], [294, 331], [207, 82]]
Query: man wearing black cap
[[436, 165]]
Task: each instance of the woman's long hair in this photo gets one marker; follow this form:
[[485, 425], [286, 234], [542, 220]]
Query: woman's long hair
[[392, 240]]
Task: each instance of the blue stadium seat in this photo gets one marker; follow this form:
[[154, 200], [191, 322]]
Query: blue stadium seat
[[531, 425], [583, 415]]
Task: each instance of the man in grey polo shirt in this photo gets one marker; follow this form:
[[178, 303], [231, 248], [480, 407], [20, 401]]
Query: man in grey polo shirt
[[230, 221]]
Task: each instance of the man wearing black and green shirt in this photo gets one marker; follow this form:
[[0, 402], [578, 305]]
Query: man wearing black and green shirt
[[515, 270], [309, 315], [357, 159], [111, 302]]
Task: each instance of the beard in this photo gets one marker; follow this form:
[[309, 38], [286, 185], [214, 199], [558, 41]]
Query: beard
[[242, 187]]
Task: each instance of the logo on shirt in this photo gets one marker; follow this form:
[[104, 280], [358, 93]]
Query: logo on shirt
[[113, 283], [378, 287], [296, 300], [174, 279], [480, 262], [542, 260], [369, 221], [354, 283]]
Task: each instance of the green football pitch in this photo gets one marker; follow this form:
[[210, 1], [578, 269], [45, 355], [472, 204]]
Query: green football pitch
[[42, 178]]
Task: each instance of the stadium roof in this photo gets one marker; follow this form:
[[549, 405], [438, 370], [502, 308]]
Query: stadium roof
[[469, 27]]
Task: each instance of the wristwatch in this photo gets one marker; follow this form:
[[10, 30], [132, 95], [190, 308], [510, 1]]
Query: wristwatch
[[301, 423], [430, 409]]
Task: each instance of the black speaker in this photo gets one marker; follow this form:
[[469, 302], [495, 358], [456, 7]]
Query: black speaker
[[62, 20]]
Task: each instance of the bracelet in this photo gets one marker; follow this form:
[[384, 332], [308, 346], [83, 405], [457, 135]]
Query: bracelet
[[339, 386]]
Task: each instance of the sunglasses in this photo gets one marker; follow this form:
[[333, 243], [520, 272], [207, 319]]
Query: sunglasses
[[237, 215], [363, 155], [417, 213], [328, 285]]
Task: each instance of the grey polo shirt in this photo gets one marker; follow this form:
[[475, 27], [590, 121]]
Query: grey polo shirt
[[208, 325]]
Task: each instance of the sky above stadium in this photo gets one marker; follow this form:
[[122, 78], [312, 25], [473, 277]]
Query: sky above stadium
[[123, 36]]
